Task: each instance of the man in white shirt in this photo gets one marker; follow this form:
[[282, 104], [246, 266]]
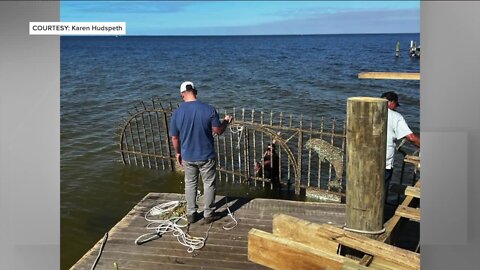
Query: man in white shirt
[[397, 129]]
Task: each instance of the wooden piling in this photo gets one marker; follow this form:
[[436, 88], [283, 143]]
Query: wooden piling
[[366, 150]]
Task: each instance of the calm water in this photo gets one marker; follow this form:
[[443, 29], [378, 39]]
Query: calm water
[[103, 77]]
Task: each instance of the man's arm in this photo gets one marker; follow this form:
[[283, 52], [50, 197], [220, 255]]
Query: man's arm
[[219, 130], [402, 130], [413, 139], [176, 146]]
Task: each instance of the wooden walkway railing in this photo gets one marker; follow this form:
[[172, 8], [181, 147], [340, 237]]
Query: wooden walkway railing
[[308, 152]]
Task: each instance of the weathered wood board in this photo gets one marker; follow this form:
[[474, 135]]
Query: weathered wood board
[[390, 75]]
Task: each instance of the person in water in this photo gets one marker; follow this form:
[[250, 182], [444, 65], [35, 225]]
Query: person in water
[[270, 165]]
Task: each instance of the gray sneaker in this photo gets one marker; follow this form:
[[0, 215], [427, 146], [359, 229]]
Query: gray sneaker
[[214, 217], [192, 218]]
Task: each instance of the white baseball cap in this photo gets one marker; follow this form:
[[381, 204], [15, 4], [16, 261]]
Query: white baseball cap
[[183, 86]]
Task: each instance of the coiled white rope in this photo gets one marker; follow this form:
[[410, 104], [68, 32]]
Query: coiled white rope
[[238, 127], [175, 225]]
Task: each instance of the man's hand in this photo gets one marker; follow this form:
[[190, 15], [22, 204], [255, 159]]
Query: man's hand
[[178, 157], [228, 118], [413, 138]]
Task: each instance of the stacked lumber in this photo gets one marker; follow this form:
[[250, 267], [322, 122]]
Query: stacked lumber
[[300, 244]]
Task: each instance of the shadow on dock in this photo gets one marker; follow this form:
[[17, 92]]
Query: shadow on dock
[[223, 250]]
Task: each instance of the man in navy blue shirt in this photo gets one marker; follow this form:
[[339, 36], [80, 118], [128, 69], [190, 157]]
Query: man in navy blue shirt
[[192, 127]]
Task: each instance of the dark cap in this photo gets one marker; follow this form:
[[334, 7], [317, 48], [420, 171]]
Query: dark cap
[[391, 96]]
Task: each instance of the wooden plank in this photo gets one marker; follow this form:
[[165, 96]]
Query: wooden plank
[[414, 160], [402, 257], [280, 253], [408, 212], [381, 263], [412, 191], [182, 258], [390, 227], [302, 231], [366, 260], [392, 223], [390, 75]]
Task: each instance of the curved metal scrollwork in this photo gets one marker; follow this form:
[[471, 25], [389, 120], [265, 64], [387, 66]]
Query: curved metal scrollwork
[[144, 141]]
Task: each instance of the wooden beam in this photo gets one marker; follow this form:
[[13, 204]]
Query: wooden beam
[[384, 264], [366, 260], [280, 253], [305, 232], [415, 160], [403, 258], [389, 75], [408, 212], [412, 191], [392, 223], [326, 238]]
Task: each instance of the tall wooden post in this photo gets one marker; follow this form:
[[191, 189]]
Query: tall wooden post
[[366, 147]]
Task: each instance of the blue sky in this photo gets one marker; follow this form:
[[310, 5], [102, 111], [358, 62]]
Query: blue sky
[[249, 18]]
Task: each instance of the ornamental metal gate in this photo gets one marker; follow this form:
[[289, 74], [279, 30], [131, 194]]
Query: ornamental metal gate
[[307, 152]]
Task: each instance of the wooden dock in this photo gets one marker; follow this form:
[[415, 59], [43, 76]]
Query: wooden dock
[[223, 249]]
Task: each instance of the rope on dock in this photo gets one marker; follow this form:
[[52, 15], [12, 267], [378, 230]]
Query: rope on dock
[[104, 241], [175, 224], [228, 227]]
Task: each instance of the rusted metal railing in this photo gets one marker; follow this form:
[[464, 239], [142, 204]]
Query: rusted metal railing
[[305, 151]]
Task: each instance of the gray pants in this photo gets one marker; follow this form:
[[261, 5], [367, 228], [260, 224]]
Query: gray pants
[[207, 170]]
